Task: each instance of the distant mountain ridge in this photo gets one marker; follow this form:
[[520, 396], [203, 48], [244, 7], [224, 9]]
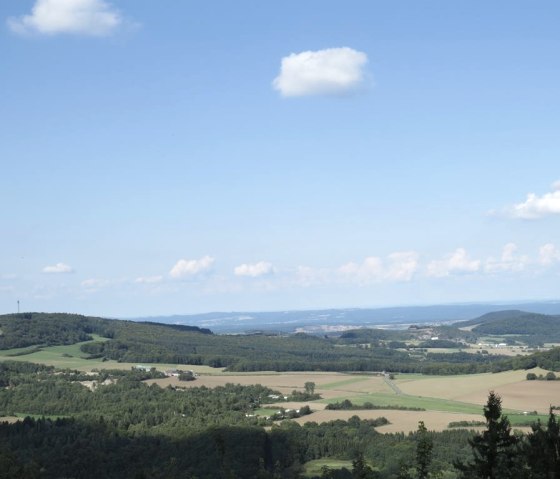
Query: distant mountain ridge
[[288, 321], [496, 316], [515, 322]]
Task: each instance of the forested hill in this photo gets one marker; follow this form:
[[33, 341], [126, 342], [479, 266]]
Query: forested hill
[[51, 329], [516, 322]]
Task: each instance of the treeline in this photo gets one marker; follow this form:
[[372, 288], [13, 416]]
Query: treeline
[[373, 335], [157, 343], [347, 405]]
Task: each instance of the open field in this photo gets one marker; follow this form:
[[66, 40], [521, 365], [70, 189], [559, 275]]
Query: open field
[[453, 403], [427, 403], [524, 395], [9, 419], [329, 385], [313, 468], [70, 357], [401, 421], [516, 392]]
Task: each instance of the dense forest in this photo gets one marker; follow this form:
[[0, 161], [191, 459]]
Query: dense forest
[[124, 428]]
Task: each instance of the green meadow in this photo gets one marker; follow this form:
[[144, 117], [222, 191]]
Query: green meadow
[[313, 468], [71, 357], [428, 403]]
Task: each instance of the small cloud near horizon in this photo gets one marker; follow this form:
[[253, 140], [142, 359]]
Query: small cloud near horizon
[[149, 279], [509, 260], [457, 262], [58, 268], [333, 71], [188, 268], [400, 266], [262, 268], [78, 17]]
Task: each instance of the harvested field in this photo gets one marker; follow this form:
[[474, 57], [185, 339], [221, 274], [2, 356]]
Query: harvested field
[[401, 421], [9, 419], [457, 387], [516, 392], [523, 395], [329, 385]]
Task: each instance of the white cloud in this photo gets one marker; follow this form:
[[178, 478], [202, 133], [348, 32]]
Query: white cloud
[[400, 266], [457, 262], [370, 269], [332, 71], [509, 260], [538, 206], [58, 268], [149, 279], [262, 268], [82, 17], [549, 254], [185, 268]]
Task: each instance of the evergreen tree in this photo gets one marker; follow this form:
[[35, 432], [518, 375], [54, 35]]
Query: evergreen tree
[[424, 446], [360, 470], [543, 449], [496, 450]]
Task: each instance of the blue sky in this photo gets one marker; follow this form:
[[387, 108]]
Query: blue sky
[[181, 157]]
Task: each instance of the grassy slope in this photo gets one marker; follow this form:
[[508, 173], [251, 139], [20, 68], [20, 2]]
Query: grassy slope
[[55, 356]]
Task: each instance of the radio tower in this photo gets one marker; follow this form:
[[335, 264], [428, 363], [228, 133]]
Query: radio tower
[[18, 306]]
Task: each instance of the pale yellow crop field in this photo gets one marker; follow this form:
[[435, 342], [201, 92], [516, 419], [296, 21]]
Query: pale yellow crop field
[[401, 421], [10, 419], [515, 390], [329, 385], [524, 395], [517, 393]]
